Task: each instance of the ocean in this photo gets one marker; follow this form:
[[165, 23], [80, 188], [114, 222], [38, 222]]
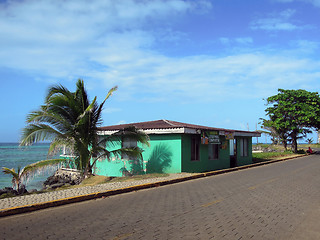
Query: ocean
[[13, 156]]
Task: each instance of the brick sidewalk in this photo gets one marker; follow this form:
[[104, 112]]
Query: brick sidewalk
[[276, 201]]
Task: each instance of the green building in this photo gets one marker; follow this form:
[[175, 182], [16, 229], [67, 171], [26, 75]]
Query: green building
[[179, 147]]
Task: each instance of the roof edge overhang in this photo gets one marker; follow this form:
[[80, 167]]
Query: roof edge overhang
[[247, 134], [155, 131], [184, 130]]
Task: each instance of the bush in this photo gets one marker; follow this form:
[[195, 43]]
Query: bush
[[301, 151]]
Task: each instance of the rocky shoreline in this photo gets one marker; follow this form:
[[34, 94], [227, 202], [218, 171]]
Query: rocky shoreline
[[62, 177]]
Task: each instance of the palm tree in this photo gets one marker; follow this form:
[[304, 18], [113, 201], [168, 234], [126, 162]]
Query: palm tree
[[21, 175], [69, 119], [129, 153]]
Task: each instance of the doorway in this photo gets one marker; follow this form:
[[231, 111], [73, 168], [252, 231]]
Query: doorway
[[233, 153]]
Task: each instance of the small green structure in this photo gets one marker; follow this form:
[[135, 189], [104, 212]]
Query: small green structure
[[179, 147]]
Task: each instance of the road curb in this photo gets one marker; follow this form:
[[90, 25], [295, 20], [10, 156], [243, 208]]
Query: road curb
[[80, 198]]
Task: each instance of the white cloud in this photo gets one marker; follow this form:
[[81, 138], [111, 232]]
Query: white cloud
[[224, 40], [67, 39], [278, 22], [110, 42], [244, 40], [120, 122], [111, 110], [316, 3], [208, 78], [240, 40]]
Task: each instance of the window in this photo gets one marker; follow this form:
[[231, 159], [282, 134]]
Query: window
[[128, 143], [231, 144], [244, 147], [195, 148], [213, 151]]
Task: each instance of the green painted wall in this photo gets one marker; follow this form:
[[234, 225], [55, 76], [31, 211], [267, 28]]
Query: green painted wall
[[171, 153], [187, 164], [244, 160], [224, 157], [163, 155], [112, 167], [204, 164]]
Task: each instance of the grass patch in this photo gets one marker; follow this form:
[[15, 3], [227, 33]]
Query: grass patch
[[267, 156], [314, 145], [97, 179], [94, 180], [139, 177], [7, 195], [263, 146]]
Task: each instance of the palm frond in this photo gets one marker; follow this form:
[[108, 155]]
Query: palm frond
[[133, 133], [42, 164], [68, 119], [97, 113], [58, 90], [37, 132], [10, 171]]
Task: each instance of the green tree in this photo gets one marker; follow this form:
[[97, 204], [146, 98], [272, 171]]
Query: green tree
[[278, 134], [21, 175], [69, 119], [293, 113], [309, 140]]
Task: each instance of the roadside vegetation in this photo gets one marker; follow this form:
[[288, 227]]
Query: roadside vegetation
[[267, 156], [292, 115], [312, 145], [98, 179], [92, 181], [70, 121], [273, 152]]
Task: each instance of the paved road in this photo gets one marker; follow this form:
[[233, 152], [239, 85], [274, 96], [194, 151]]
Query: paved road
[[73, 192], [276, 201]]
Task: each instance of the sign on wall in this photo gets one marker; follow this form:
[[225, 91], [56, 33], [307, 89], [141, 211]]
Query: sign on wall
[[229, 135], [210, 137]]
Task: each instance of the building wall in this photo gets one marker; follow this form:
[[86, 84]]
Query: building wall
[[171, 153], [163, 155], [244, 160], [204, 164], [112, 167]]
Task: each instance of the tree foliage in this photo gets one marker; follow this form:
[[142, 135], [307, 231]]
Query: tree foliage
[[277, 135], [70, 120], [21, 175], [293, 113]]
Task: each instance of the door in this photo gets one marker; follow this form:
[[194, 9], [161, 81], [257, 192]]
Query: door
[[233, 153]]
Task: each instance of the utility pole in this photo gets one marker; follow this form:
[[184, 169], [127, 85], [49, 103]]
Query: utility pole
[[257, 131]]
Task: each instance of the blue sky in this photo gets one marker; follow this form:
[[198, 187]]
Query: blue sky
[[202, 62]]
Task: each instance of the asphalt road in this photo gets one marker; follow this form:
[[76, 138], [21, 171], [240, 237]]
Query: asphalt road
[[276, 201]]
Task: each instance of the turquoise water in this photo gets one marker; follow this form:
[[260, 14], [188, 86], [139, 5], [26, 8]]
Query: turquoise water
[[13, 156]]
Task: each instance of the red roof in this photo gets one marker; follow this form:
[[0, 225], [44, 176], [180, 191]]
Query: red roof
[[165, 124]]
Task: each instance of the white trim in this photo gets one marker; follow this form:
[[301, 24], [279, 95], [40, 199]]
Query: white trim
[[191, 131], [156, 131], [182, 130], [164, 131], [66, 155], [171, 124], [246, 134], [103, 133]]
